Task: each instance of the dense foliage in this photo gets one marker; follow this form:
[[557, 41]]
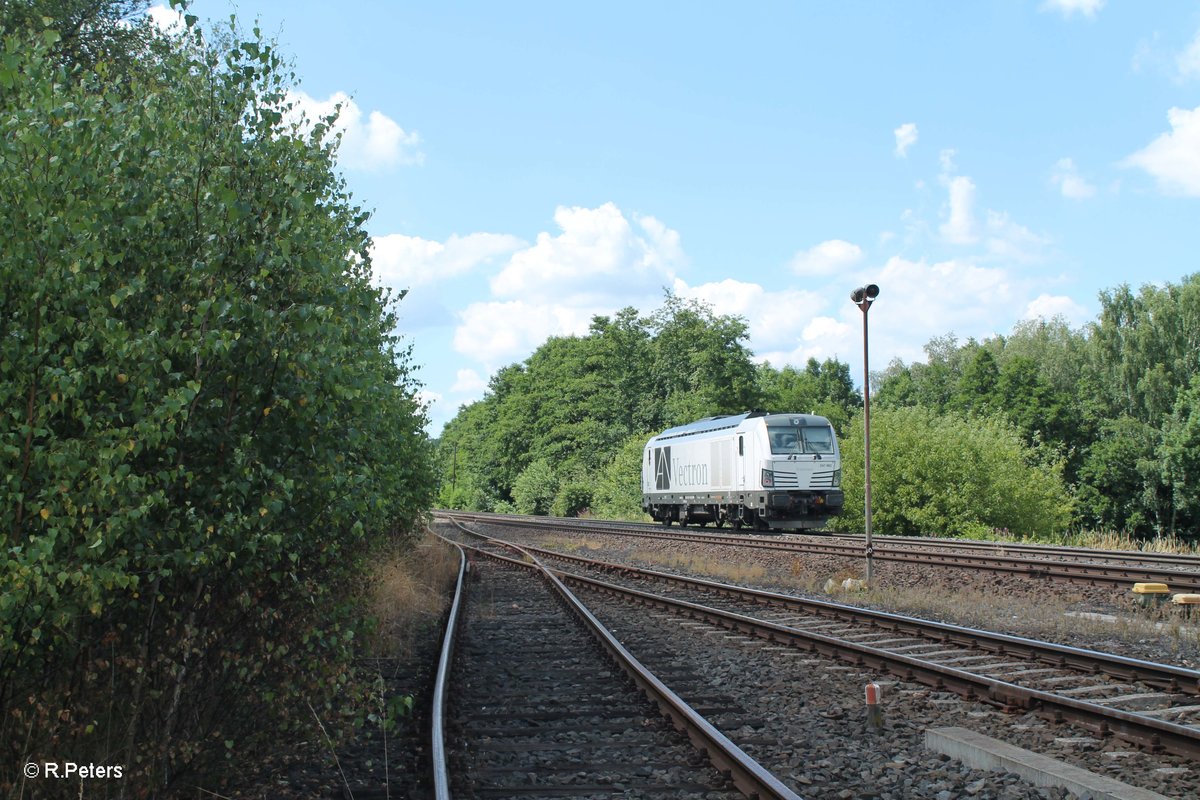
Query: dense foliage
[[563, 431], [205, 420], [1116, 401], [950, 473], [1037, 431]]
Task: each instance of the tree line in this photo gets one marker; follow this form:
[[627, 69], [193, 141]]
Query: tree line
[[207, 424], [1036, 432]]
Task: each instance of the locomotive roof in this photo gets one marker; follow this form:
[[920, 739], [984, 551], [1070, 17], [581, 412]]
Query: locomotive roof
[[734, 420]]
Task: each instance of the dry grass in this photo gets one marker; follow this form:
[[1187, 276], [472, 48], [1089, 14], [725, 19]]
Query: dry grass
[[1040, 617], [1107, 540], [410, 589], [1156, 631], [706, 566], [570, 545]]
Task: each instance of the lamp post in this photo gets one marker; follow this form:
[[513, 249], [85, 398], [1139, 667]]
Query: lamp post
[[863, 296]]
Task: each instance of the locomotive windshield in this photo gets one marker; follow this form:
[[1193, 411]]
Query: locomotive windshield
[[794, 440]]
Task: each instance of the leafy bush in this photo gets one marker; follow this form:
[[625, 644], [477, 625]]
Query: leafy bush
[[535, 488], [948, 474], [619, 490], [205, 423], [573, 497]]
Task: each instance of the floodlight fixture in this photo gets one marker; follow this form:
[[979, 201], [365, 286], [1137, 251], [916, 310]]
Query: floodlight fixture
[[863, 296]]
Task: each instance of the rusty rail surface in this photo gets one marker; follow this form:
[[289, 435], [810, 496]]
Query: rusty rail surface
[[1143, 730], [441, 779], [1185, 580], [746, 774]]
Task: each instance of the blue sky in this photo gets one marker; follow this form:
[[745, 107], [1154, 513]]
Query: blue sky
[[530, 165]]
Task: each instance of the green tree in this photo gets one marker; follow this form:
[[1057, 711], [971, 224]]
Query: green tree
[[535, 488], [700, 365], [975, 389], [1179, 455], [946, 474], [206, 423], [1121, 478], [618, 492]]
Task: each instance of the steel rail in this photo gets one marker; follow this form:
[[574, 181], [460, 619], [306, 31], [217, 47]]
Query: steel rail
[[747, 775], [1094, 574], [1148, 732], [1180, 560], [441, 778], [1177, 560], [1164, 676]]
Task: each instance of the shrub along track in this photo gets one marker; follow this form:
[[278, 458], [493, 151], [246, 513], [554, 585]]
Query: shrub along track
[[942, 657], [1105, 568]]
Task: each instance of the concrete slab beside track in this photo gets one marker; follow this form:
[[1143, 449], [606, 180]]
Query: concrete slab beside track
[[984, 752]]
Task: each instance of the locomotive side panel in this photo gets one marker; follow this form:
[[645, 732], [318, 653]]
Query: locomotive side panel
[[768, 471]]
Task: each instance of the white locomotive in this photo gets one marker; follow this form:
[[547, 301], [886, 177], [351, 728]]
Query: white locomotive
[[756, 469]]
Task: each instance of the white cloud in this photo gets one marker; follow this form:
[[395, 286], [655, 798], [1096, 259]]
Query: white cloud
[[1069, 8], [497, 333], [428, 398], [919, 300], [1011, 242], [599, 262], [167, 20], [776, 319], [1047, 307], [1174, 158], [946, 159], [1068, 180], [376, 142], [906, 137], [598, 255], [468, 381], [1188, 62], [404, 261], [827, 258], [960, 226]]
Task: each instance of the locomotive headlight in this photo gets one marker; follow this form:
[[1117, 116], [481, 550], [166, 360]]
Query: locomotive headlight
[[837, 478], [768, 478]]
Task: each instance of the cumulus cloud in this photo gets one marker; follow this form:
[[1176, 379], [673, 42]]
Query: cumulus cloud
[[599, 262], [960, 226], [497, 333], [906, 137], [1047, 307], [1174, 157], [405, 261], [776, 318], [1068, 180], [427, 398], [599, 253], [468, 381], [369, 142], [167, 20], [827, 258], [1010, 242], [1188, 62], [1069, 8]]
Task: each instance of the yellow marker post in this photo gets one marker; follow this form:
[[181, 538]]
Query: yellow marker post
[[1151, 595]]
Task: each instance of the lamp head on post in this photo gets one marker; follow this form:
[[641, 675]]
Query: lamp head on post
[[863, 296]]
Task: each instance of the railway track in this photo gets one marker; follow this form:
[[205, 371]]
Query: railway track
[[537, 708], [1102, 568], [1155, 706]]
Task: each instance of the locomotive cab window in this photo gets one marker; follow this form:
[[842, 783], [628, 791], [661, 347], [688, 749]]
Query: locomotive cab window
[[797, 440]]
